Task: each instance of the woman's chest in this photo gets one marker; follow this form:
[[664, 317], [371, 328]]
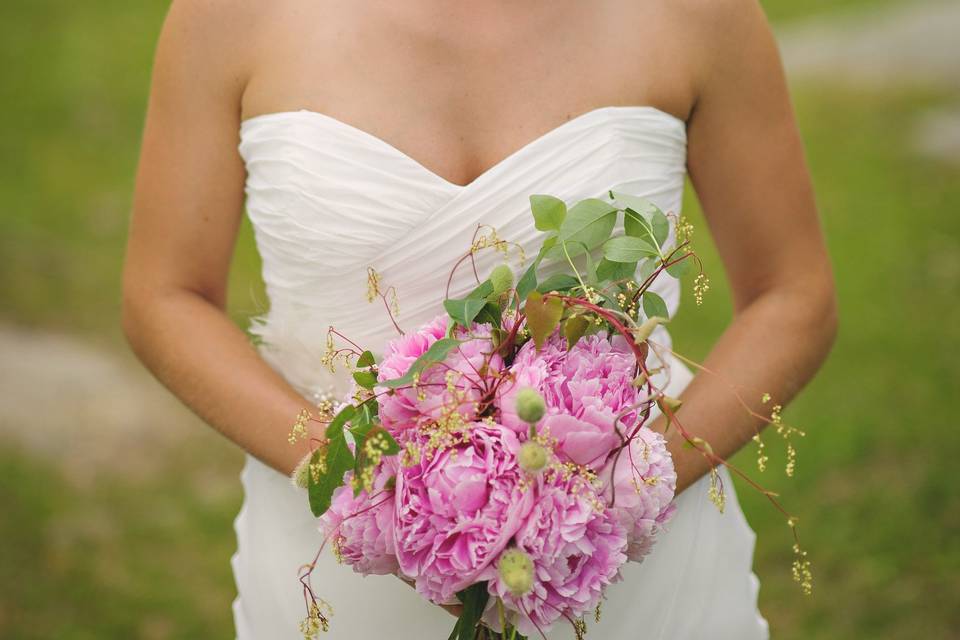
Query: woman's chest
[[459, 86]]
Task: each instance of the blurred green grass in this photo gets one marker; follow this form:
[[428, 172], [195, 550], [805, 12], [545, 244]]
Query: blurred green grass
[[874, 490], [150, 558]]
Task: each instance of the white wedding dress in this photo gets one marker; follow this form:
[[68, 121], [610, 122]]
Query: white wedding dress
[[328, 200]]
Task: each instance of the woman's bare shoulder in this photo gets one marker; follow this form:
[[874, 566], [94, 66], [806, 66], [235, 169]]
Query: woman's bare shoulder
[[717, 12], [727, 35], [215, 39]]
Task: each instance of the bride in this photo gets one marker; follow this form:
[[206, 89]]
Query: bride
[[379, 134]]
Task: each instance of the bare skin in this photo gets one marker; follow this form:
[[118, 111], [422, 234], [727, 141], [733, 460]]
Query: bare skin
[[458, 86]]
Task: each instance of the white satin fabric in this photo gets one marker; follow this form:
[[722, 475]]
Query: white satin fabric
[[328, 200]]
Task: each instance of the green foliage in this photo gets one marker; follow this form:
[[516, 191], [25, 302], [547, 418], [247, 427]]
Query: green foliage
[[543, 316], [608, 270], [365, 379], [549, 212], [474, 600], [653, 305], [682, 267], [465, 310], [501, 279], [558, 282], [575, 328], [338, 460], [366, 359], [628, 249], [383, 442], [587, 225]]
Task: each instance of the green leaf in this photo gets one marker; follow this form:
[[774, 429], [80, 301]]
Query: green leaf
[[393, 447], [647, 267], [456, 629], [574, 328], [474, 599], [636, 225], [501, 280], [362, 460], [359, 430], [682, 268], [363, 420], [338, 459], [366, 359], [639, 204], [615, 271], [543, 316], [591, 267], [482, 290], [627, 249], [318, 503], [528, 281], [490, 314], [365, 379], [589, 222], [548, 212], [653, 305], [558, 282], [463, 311], [436, 353], [335, 428], [661, 227]]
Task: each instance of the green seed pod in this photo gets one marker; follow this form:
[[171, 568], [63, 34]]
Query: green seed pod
[[300, 475], [641, 333], [516, 571], [530, 405], [672, 403], [532, 457], [501, 278]]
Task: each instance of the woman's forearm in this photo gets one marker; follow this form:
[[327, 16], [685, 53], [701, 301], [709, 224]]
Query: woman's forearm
[[775, 345], [194, 349]]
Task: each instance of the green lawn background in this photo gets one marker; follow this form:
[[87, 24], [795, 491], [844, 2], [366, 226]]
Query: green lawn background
[[149, 557]]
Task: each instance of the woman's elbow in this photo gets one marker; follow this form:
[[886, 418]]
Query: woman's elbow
[[134, 310]]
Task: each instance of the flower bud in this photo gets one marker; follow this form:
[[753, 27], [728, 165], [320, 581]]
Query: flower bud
[[300, 475], [516, 571], [501, 278], [672, 403], [532, 457], [644, 331], [530, 405]]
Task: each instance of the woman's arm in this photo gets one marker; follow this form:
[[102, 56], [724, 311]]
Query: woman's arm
[[186, 211], [747, 165]]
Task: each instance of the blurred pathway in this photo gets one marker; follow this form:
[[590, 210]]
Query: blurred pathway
[[914, 44], [86, 408]]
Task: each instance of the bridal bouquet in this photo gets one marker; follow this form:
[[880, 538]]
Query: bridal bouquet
[[501, 456]]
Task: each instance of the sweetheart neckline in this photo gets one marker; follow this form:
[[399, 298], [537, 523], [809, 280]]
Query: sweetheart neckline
[[533, 143]]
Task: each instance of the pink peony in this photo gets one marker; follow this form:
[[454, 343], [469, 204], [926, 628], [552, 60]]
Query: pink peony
[[362, 526], [585, 389], [410, 407], [645, 481], [586, 440], [577, 550], [457, 509]]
